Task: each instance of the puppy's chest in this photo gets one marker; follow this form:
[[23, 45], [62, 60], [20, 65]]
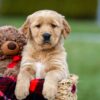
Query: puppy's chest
[[40, 73], [41, 62]]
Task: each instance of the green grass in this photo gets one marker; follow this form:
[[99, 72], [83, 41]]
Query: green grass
[[83, 26], [76, 25], [9, 20], [84, 60], [83, 54]]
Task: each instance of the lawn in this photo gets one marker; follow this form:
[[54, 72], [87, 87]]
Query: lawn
[[83, 48], [84, 60], [76, 25]]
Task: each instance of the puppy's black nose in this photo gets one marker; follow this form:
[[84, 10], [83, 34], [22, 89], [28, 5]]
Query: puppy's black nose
[[46, 37]]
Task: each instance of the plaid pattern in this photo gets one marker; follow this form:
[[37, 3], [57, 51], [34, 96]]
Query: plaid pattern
[[66, 89], [7, 87]]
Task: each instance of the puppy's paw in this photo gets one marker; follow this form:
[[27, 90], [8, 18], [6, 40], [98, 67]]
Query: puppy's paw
[[22, 91], [49, 91]]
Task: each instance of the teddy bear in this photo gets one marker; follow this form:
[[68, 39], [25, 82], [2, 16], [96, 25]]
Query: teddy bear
[[11, 46]]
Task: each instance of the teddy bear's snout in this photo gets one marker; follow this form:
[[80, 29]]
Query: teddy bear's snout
[[10, 48]]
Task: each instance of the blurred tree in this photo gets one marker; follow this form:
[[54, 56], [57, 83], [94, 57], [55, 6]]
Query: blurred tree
[[71, 8]]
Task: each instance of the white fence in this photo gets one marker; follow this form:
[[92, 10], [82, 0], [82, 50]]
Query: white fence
[[98, 12]]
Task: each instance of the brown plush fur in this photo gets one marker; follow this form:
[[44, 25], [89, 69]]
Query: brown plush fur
[[10, 34], [40, 59]]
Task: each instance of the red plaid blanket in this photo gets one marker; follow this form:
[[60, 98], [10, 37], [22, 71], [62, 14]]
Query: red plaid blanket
[[7, 87]]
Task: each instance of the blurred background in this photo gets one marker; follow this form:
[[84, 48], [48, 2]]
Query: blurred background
[[82, 45]]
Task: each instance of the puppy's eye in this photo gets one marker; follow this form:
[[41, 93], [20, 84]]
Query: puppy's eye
[[53, 25], [38, 25]]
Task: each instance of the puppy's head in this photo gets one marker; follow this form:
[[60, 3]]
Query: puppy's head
[[46, 28]]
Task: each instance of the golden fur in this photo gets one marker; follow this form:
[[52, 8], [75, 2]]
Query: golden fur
[[50, 56]]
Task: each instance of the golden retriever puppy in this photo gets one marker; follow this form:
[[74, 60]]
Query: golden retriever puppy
[[44, 55]]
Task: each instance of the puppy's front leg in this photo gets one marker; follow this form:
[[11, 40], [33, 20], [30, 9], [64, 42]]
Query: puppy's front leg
[[23, 82], [51, 83]]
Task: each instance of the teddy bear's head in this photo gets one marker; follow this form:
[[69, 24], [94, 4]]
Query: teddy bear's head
[[11, 41]]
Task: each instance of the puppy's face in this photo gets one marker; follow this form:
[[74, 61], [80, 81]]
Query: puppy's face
[[46, 31], [46, 28]]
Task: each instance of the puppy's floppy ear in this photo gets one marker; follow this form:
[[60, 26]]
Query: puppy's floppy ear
[[25, 28], [66, 28]]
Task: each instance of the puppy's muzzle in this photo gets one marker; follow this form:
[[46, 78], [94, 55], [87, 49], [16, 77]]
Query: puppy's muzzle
[[46, 37]]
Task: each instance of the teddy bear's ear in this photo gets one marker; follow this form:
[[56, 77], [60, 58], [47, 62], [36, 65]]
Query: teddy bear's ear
[[66, 28]]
